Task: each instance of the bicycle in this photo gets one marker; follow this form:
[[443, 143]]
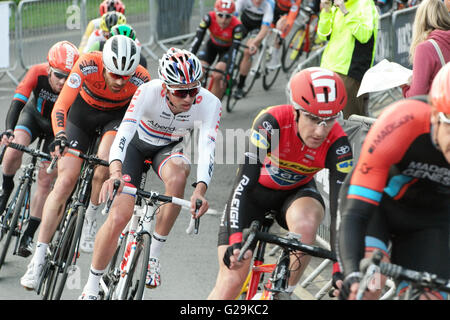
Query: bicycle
[[277, 284], [127, 271], [64, 252], [18, 211], [302, 40], [420, 280], [259, 64], [230, 80]]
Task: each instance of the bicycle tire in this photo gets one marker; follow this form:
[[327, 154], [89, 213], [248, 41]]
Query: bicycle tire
[[135, 282], [71, 258], [269, 77], [254, 73], [293, 49], [231, 100], [15, 218], [114, 265], [58, 260]]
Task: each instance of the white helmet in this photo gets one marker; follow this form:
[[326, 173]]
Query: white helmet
[[179, 66], [121, 55]]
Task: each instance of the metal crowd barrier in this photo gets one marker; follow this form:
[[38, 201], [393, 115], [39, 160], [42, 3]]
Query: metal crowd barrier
[[12, 34]]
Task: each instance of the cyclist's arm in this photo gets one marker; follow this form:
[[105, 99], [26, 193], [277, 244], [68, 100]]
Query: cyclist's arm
[[339, 165], [324, 27], [89, 29], [361, 24], [67, 96], [292, 15], [129, 125], [238, 34], [261, 34], [200, 34], [21, 96], [249, 172], [94, 47], [207, 140]]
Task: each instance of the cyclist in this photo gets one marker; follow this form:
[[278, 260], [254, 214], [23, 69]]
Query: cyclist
[[29, 117], [399, 192], [105, 6], [97, 92], [123, 29], [254, 14], [161, 113], [226, 32], [108, 20], [289, 144]]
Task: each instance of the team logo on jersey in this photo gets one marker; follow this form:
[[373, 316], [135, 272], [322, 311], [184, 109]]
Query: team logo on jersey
[[74, 80], [88, 67], [345, 166], [290, 165], [259, 140], [283, 177]]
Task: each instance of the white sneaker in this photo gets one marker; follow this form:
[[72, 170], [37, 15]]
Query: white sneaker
[[88, 235], [275, 61], [153, 278], [30, 279]]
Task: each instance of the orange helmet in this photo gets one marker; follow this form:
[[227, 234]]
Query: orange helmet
[[62, 56], [440, 90], [227, 6], [111, 5], [318, 91]]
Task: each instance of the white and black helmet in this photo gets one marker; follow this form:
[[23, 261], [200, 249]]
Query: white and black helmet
[[179, 66], [121, 55]]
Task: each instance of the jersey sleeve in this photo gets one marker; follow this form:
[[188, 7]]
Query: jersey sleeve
[[207, 141], [268, 13], [339, 161], [128, 126], [264, 135], [200, 34], [67, 96]]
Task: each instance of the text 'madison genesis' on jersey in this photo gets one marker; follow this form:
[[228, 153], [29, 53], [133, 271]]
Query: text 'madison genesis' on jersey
[[150, 116]]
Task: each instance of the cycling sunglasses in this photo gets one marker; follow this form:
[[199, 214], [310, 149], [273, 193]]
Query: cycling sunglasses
[[183, 93], [118, 76], [59, 74], [224, 15], [321, 121], [444, 118]]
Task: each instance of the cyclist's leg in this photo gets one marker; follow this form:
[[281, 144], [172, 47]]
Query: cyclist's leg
[[303, 213], [219, 85]]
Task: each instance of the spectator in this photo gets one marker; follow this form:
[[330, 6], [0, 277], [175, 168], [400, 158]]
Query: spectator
[[351, 30], [432, 21]]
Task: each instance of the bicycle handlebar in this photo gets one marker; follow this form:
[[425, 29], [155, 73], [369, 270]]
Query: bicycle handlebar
[[33, 152], [253, 234], [422, 278], [91, 159]]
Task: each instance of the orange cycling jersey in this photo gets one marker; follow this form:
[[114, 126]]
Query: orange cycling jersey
[[87, 80], [293, 6]]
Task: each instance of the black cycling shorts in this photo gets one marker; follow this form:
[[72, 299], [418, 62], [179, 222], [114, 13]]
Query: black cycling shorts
[[254, 203], [419, 236], [138, 151], [33, 123], [83, 121], [210, 51]]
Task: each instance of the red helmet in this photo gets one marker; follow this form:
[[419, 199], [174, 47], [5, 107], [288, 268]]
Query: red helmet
[[440, 90], [318, 91], [62, 56], [227, 6], [112, 5]]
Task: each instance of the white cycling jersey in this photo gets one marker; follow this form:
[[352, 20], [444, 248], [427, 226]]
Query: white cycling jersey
[[263, 13], [149, 114]]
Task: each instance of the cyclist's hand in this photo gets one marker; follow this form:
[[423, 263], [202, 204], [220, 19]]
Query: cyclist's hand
[[349, 288], [326, 4], [106, 192], [230, 258], [337, 279], [204, 207], [7, 137], [59, 146]]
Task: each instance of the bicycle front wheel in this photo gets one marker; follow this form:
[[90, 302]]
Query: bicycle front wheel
[[15, 217], [293, 49], [135, 282], [270, 74]]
